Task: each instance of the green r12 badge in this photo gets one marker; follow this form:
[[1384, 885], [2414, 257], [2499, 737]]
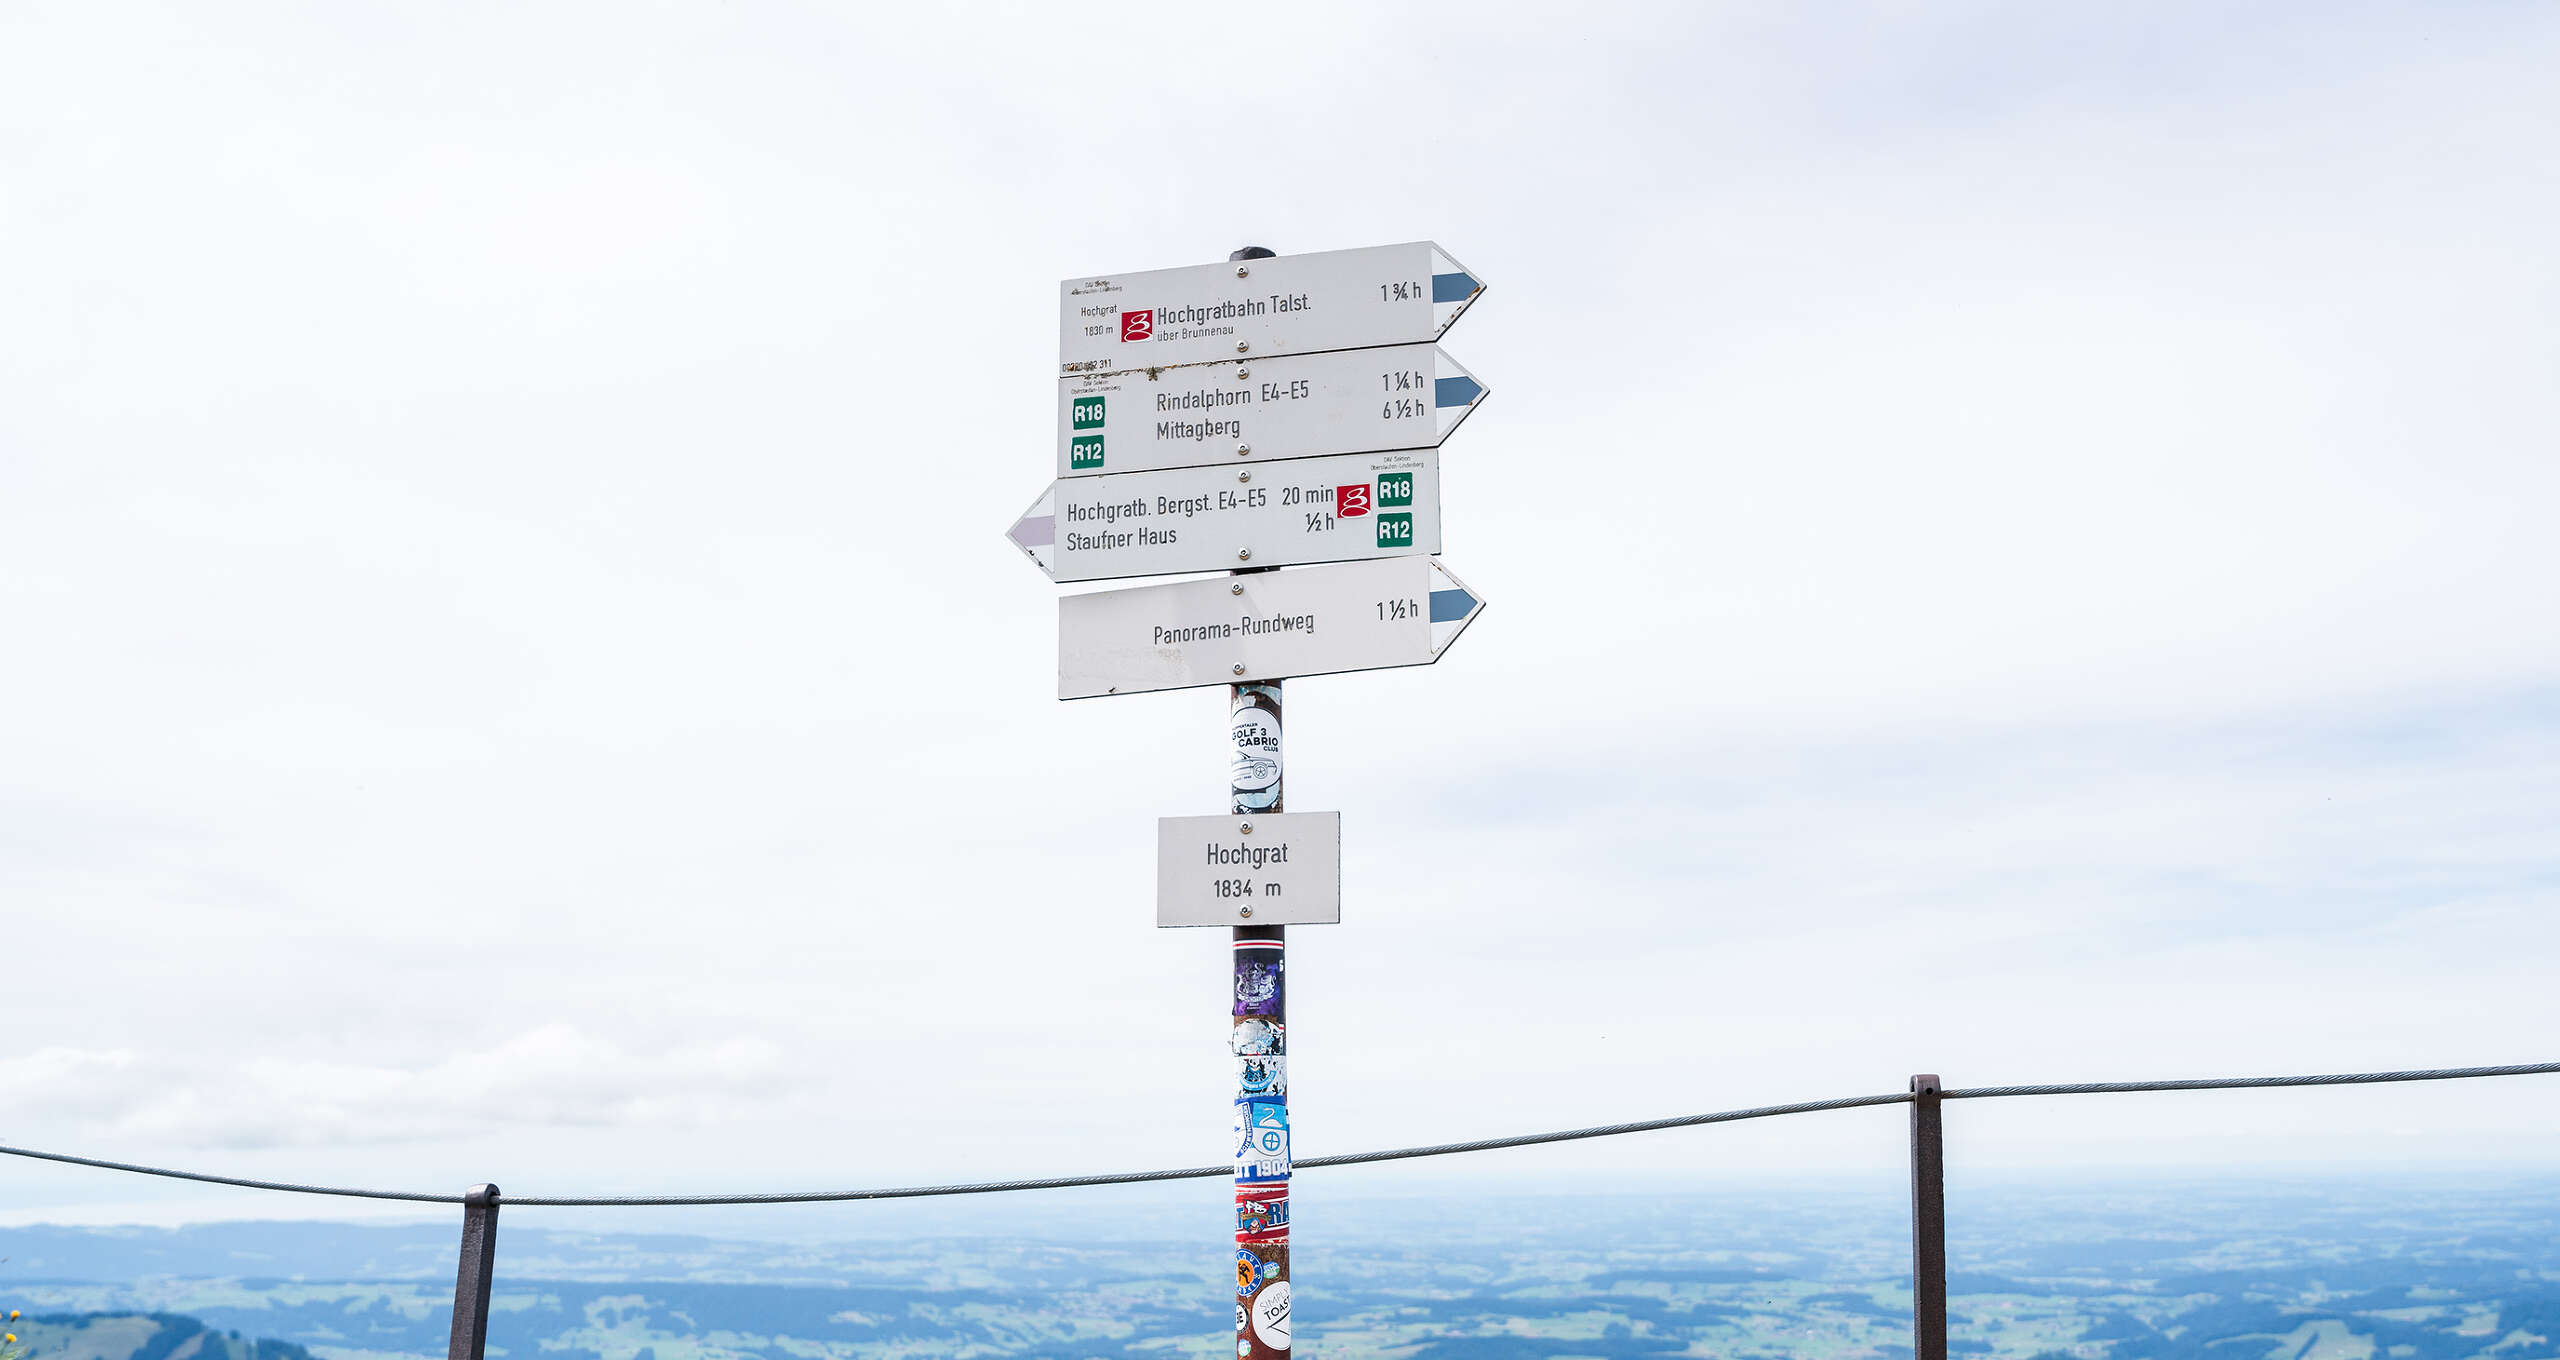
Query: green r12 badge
[[1084, 451], [1395, 531], [1395, 488]]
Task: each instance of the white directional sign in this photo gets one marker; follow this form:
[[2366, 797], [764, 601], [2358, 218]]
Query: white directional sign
[[1349, 616], [1341, 509], [1263, 869], [1288, 304], [1346, 401]]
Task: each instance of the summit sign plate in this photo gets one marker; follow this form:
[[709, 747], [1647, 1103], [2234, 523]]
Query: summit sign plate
[[1257, 869], [1289, 304]]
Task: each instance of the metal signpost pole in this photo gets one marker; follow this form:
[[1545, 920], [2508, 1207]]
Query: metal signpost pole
[[1258, 1034], [1268, 411]]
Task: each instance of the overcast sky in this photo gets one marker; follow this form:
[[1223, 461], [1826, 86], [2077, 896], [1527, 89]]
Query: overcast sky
[[2018, 542]]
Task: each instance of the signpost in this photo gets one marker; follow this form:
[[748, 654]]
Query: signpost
[[1227, 413], [1263, 868], [1341, 509], [1257, 308], [1264, 413], [1349, 616]]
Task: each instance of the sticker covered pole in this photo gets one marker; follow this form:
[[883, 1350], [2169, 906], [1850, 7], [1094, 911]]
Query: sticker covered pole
[[1258, 1034]]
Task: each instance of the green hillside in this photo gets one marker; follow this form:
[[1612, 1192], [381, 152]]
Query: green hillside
[[140, 1336]]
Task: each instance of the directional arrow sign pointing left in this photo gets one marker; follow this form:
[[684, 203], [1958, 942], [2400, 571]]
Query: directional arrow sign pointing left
[[1350, 616], [1343, 509], [1288, 304]]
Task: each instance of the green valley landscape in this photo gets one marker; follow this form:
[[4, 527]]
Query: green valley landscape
[[2216, 1272]]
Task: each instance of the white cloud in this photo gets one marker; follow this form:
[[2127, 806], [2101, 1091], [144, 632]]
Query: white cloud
[[500, 577], [554, 1076]]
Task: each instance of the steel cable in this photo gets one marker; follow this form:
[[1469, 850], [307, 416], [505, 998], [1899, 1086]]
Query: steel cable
[[2237, 1083], [246, 1184], [1203, 1172], [1344, 1159]]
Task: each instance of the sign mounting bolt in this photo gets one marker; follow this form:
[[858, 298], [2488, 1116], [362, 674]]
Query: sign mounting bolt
[[1241, 347], [1239, 668], [1246, 910], [1241, 271], [1244, 373], [1235, 589], [1243, 449], [1244, 476], [1244, 554], [1244, 828]]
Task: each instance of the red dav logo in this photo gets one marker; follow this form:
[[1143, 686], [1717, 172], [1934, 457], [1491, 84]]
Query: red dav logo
[[1351, 502], [1138, 325]]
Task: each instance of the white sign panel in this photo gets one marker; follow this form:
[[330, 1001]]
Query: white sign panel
[[1343, 509], [1347, 401], [1289, 304], [1349, 616], [1256, 868]]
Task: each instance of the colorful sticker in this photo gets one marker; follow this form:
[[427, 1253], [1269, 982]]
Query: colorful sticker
[[1262, 1215], [1255, 735], [1263, 1078], [1264, 1264], [1256, 1037], [1259, 965], [1262, 1142], [1270, 1315], [1253, 726]]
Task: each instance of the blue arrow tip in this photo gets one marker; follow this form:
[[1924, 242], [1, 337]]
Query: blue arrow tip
[[1450, 605], [1451, 392], [1453, 287]]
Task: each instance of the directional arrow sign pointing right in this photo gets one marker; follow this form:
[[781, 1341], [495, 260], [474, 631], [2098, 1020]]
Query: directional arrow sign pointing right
[[1349, 616], [1230, 414], [1288, 304]]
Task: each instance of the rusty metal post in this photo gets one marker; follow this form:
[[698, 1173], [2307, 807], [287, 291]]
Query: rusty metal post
[[1258, 1035], [471, 1281], [1928, 1221]]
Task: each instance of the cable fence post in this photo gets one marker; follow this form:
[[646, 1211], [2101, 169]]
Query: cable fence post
[[471, 1280], [1928, 1221]]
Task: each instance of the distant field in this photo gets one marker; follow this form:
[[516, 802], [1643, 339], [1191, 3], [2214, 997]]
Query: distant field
[[2210, 1274]]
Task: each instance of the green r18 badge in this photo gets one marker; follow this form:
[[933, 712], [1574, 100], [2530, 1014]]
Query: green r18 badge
[[1087, 413], [1395, 488], [1084, 451], [1395, 531]]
